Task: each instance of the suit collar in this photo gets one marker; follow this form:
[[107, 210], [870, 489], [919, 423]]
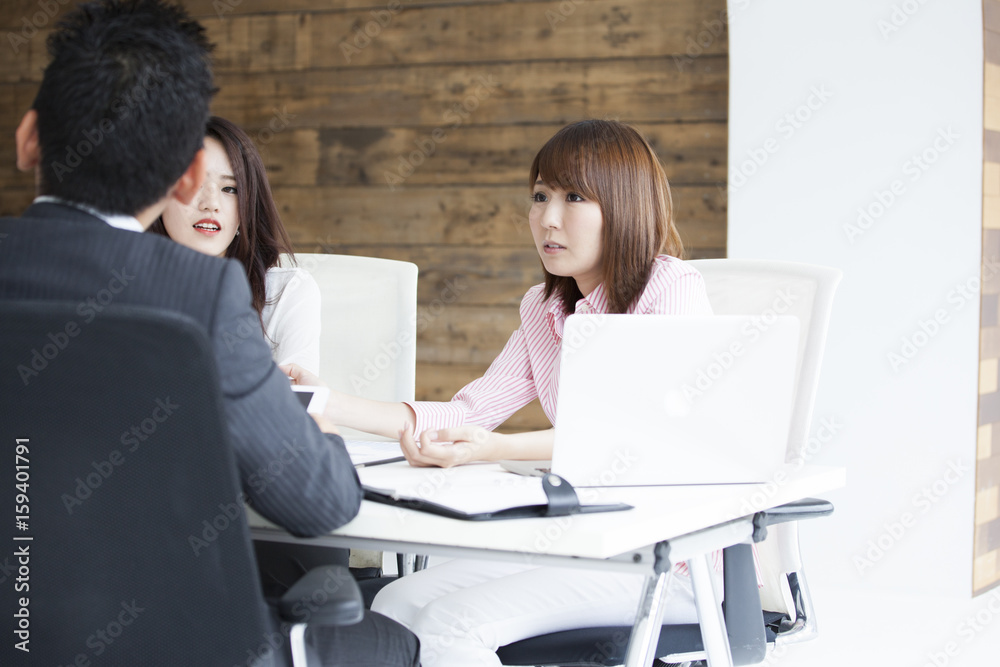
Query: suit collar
[[51, 208]]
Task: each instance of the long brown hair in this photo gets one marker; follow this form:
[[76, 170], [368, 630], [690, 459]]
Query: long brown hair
[[610, 163], [262, 238]]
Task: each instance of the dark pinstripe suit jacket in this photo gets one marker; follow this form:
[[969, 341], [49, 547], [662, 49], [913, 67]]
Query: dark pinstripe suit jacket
[[292, 473]]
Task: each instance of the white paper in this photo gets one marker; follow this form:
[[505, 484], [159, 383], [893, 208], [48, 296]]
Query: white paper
[[469, 488], [368, 451]]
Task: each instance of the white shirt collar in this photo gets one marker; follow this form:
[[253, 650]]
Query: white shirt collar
[[126, 222]]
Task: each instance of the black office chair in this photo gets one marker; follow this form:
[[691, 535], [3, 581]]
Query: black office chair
[[125, 541]]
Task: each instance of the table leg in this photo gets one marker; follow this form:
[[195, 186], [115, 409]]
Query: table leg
[[405, 564], [648, 619], [710, 619]]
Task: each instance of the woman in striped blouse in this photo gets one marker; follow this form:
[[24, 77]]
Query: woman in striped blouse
[[601, 223]]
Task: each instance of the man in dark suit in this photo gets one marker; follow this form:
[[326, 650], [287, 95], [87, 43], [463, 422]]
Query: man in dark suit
[[114, 134]]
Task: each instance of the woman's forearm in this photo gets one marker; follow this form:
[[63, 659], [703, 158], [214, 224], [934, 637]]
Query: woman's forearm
[[527, 446], [370, 416]]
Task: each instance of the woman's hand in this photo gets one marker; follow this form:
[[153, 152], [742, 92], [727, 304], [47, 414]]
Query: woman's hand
[[301, 376], [449, 447]]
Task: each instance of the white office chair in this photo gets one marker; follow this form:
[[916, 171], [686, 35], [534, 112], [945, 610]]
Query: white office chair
[[368, 343], [368, 339], [757, 288], [753, 287]]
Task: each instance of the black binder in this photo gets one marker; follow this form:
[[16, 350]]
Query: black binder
[[562, 501]]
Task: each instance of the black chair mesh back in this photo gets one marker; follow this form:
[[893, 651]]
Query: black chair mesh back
[[138, 550]]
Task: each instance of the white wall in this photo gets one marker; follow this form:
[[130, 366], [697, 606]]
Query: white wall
[[885, 80]]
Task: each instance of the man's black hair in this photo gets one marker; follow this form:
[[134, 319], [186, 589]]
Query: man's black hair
[[123, 103]]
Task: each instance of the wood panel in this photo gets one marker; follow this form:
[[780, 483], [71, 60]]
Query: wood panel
[[460, 34], [986, 540], [14, 200], [12, 11], [15, 100], [392, 157], [24, 59], [324, 219], [457, 334], [9, 174], [640, 90]]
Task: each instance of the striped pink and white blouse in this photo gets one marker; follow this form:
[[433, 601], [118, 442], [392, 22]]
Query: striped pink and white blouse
[[528, 366]]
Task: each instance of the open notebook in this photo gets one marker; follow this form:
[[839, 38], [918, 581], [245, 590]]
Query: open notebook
[[474, 492]]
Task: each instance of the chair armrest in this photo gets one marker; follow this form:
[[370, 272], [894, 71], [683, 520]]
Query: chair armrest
[[807, 508], [323, 596]]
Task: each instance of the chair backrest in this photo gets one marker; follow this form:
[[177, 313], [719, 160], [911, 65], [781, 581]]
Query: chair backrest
[[368, 344], [767, 288], [133, 541]]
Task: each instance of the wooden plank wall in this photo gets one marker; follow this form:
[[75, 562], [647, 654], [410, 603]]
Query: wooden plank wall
[[986, 547], [405, 130]]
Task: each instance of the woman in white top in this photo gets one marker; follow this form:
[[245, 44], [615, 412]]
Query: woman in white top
[[234, 216]]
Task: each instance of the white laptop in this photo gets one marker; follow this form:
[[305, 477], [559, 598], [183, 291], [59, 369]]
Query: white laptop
[[665, 399]]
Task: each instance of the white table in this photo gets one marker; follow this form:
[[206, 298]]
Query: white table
[[697, 520]]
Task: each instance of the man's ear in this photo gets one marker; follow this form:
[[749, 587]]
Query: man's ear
[[29, 153], [189, 183]]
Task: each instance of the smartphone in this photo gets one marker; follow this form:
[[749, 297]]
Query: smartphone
[[313, 399]]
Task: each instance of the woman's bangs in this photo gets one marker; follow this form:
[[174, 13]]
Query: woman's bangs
[[562, 165]]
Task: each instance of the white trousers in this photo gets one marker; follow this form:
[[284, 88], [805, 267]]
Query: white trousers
[[463, 610]]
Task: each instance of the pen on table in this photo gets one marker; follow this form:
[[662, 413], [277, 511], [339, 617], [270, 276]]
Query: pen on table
[[378, 463]]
